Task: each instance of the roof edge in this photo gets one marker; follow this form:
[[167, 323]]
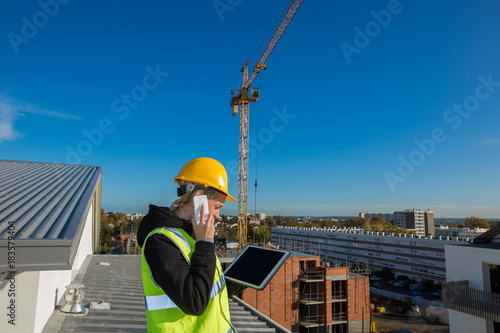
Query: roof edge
[[37, 256], [261, 316], [52, 163], [88, 196]]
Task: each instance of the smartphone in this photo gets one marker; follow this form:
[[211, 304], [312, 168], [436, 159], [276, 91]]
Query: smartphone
[[197, 201]]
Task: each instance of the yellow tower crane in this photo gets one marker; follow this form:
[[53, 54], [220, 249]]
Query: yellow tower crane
[[240, 102]]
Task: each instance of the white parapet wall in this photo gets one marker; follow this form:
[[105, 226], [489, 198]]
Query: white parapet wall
[[469, 264], [28, 299]]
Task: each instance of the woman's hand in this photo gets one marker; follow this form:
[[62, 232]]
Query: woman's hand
[[206, 228]]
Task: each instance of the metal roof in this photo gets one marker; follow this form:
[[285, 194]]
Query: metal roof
[[44, 199], [116, 279], [42, 209], [486, 237]]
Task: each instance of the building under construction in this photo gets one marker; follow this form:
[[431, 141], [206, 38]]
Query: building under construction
[[307, 296]]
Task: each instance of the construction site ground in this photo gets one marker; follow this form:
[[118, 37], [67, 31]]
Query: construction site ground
[[395, 317], [387, 322]]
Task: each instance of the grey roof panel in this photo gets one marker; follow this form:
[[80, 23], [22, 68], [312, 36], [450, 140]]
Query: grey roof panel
[[120, 284], [45, 200], [43, 207]]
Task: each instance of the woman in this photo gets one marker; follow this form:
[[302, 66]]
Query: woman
[[184, 287]]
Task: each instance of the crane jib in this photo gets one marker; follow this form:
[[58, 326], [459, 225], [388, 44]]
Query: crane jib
[[241, 102], [294, 7]]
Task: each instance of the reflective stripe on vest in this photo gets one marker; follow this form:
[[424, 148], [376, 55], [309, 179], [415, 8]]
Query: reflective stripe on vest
[[161, 302], [179, 236]]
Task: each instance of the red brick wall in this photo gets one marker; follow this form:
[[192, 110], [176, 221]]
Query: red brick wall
[[358, 293], [279, 300]]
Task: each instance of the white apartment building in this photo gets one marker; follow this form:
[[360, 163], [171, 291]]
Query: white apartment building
[[417, 257], [472, 290], [261, 216], [422, 222]]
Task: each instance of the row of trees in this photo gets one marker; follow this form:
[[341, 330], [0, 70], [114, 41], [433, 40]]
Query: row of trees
[[377, 223], [115, 224], [475, 222], [262, 233]]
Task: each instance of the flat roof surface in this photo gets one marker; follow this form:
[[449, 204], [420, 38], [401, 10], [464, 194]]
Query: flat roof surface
[[44, 200], [116, 279], [300, 254], [492, 246]]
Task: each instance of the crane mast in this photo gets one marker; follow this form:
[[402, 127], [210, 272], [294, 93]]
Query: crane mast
[[241, 102]]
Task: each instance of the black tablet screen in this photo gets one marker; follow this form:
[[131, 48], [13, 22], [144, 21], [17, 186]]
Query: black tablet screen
[[255, 265]]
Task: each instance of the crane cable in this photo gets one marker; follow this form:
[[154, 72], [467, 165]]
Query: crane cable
[[257, 151], [272, 29], [258, 108]]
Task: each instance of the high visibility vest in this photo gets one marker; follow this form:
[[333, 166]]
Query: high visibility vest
[[163, 315]]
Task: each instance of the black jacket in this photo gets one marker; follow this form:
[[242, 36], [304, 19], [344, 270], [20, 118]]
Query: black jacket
[[189, 287]]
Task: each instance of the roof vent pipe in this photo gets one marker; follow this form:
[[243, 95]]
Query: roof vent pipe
[[73, 298]]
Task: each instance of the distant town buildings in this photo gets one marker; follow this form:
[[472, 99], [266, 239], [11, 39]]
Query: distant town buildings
[[462, 233], [134, 216], [306, 296], [253, 221], [129, 244], [416, 257], [261, 216]]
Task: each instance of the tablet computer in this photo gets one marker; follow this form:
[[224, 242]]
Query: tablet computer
[[255, 266]]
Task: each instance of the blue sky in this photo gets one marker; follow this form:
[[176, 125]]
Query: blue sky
[[369, 106]]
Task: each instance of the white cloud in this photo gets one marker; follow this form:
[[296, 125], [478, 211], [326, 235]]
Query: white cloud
[[11, 109], [32, 109], [8, 116]]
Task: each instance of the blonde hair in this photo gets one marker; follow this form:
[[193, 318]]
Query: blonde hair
[[210, 192]]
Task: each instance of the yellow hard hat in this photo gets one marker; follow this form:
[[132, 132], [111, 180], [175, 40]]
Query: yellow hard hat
[[206, 171]]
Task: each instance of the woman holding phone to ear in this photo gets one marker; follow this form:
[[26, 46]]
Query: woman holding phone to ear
[[184, 287]]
